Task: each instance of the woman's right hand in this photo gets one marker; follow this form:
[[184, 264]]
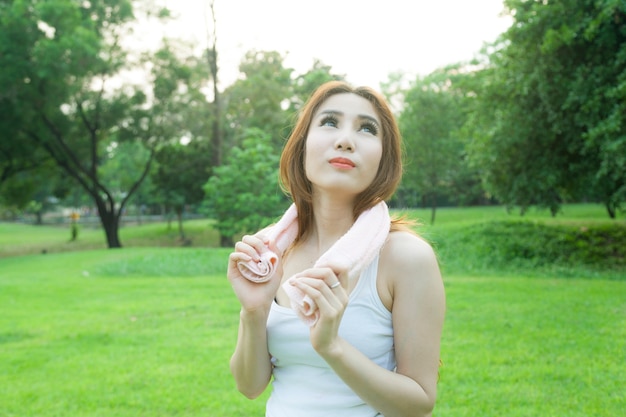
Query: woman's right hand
[[252, 295]]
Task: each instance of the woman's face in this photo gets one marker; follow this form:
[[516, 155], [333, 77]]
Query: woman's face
[[343, 145]]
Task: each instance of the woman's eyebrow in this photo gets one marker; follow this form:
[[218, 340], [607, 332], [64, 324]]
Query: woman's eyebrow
[[370, 118], [360, 116], [331, 112]]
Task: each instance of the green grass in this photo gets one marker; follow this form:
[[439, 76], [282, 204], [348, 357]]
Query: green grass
[[22, 239], [148, 330], [137, 332], [570, 213], [528, 347]]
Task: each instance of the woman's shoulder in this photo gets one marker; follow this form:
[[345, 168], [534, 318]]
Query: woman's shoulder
[[408, 260], [407, 247]]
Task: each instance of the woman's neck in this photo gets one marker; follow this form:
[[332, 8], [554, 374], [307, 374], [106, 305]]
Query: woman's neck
[[332, 219]]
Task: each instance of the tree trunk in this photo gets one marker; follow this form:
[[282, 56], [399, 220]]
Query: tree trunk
[[111, 229], [226, 241], [433, 209], [110, 221], [179, 215], [610, 208], [216, 137], [139, 210], [168, 215]]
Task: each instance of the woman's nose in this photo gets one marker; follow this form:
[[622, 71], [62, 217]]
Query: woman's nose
[[345, 141]]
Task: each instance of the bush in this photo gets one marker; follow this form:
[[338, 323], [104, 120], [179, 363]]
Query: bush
[[243, 195], [524, 245]]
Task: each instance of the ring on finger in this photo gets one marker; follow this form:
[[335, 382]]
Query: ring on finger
[[335, 285]]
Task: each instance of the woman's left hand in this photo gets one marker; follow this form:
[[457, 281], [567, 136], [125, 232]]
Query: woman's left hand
[[328, 289]]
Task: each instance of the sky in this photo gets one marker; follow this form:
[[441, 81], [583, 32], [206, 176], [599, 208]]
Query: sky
[[365, 40]]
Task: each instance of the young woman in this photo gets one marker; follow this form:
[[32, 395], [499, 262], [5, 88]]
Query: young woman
[[373, 348]]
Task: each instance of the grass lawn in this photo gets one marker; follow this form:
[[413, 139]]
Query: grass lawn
[[137, 332], [23, 239], [533, 347], [148, 331]]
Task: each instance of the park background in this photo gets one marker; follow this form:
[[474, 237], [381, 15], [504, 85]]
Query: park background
[[126, 174]]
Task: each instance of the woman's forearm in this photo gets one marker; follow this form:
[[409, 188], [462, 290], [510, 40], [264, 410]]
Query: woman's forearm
[[390, 393], [250, 363]]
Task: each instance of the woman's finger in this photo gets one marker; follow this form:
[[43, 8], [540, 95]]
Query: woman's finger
[[326, 275], [318, 287], [329, 302], [253, 246], [239, 256], [255, 241]]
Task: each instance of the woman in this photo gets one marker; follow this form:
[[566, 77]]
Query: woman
[[374, 346]]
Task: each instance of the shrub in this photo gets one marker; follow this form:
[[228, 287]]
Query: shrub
[[522, 245], [243, 195]]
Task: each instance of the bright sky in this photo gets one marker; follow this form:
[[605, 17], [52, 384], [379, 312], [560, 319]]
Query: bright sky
[[364, 39]]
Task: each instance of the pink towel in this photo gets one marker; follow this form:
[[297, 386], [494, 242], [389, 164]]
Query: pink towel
[[281, 234], [352, 252]]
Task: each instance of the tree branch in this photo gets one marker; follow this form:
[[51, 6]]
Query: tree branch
[[136, 185]]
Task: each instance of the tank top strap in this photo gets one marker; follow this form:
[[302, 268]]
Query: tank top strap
[[367, 281]]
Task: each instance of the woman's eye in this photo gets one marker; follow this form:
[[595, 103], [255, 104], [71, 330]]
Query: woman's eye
[[370, 128], [329, 121]]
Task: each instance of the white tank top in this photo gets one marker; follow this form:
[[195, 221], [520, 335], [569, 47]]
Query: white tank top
[[303, 384]]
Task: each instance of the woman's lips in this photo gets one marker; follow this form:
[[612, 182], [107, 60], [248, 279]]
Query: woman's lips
[[342, 163]]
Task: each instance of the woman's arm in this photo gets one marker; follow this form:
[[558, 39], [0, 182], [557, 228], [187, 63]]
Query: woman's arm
[[413, 289], [250, 363]]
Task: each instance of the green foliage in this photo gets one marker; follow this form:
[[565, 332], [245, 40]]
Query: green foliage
[[243, 195], [122, 166], [433, 113], [554, 249], [267, 96], [65, 97], [256, 99], [551, 108], [305, 84], [35, 191], [181, 173]]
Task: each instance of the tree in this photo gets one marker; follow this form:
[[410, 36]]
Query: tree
[[217, 132], [430, 121], [302, 86], [305, 84], [35, 191], [552, 112], [181, 174], [16, 158], [60, 60], [257, 100], [243, 195]]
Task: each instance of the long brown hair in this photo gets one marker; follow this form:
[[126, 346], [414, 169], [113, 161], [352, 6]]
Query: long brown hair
[[292, 168]]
